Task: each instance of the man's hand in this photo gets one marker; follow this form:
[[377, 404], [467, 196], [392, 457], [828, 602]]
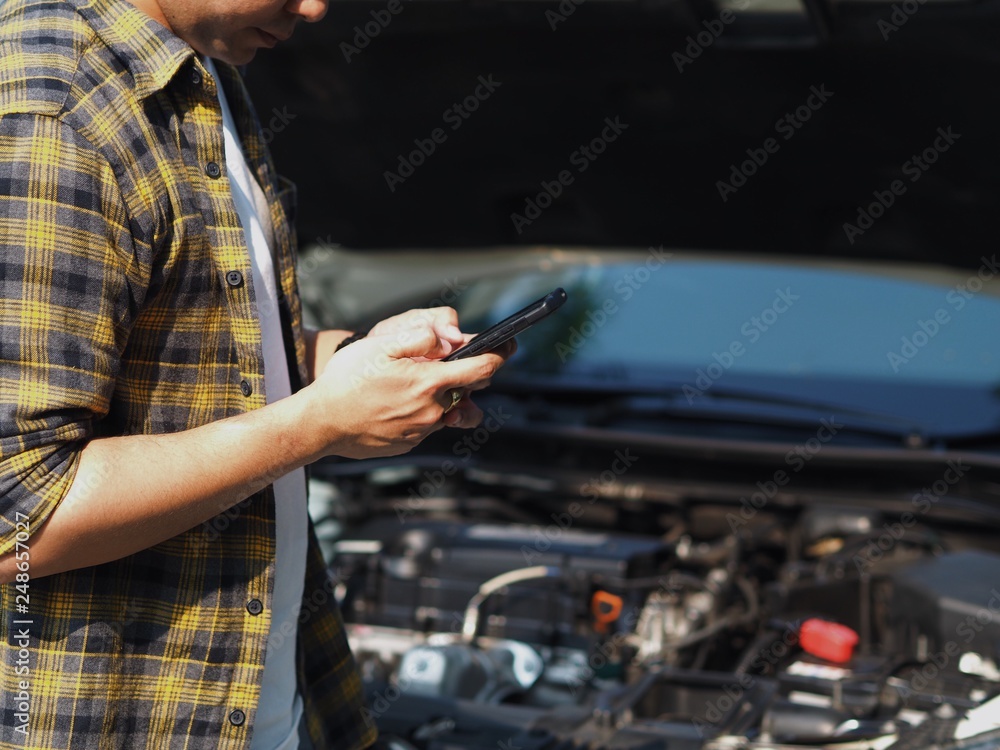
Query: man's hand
[[321, 345], [384, 394], [443, 321]]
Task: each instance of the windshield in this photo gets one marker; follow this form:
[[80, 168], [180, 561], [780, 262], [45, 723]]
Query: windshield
[[916, 342]]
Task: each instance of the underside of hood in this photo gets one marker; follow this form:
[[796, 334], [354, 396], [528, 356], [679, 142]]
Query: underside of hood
[[864, 129]]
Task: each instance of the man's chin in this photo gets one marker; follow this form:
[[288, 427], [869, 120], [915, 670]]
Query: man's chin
[[245, 59], [236, 57]]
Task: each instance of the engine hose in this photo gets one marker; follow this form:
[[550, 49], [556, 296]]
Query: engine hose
[[750, 654], [470, 625]]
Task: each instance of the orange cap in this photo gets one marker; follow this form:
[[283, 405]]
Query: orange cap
[[606, 608]]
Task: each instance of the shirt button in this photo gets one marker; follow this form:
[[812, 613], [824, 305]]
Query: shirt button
[[237, 717], [255, 607], [196, 77], [213, 170], [245, 388], [234, 278]]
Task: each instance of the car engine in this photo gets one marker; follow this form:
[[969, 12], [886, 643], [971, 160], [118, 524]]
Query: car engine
[[710, 625]]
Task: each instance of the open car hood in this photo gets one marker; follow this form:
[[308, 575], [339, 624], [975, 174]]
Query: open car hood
[[861, 129]]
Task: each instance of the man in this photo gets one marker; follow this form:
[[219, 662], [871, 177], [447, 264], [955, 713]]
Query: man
[[154, 374]]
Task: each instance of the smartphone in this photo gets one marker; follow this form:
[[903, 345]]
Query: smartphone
[[508, 328]]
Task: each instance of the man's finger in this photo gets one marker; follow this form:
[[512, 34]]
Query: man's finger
[[464, 416], [419, 341]]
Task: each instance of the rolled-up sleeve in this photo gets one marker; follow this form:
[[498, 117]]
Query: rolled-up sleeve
[[66, 259]]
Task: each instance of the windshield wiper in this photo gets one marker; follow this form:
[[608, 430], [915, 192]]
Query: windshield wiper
[[731, 408], [607, 404]]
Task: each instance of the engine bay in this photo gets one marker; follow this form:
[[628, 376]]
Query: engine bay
[[622, 623]]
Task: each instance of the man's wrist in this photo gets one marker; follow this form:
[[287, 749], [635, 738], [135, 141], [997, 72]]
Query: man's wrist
[[351, 339]]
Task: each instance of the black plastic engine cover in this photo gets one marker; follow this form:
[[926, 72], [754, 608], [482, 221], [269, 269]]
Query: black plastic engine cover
[[952, 600], [426, 573]]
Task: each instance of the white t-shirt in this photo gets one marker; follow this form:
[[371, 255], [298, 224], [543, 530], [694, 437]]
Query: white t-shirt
[[280, 707]]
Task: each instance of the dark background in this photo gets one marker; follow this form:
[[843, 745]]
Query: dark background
[[657, 183]]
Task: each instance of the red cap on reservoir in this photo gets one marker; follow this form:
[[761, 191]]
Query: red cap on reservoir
[[827, 640]]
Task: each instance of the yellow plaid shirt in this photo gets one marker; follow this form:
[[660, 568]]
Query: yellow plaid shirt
[[120, 313]]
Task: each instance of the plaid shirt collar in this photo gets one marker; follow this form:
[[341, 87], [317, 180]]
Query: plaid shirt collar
[[150, 52]]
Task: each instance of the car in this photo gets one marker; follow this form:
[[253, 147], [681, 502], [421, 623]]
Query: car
[[742, 490]]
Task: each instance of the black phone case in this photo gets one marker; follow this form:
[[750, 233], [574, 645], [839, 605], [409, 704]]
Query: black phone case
[[510, 326]]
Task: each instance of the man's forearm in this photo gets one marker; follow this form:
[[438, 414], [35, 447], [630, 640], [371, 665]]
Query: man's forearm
[[131, 493], [380, 397]]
